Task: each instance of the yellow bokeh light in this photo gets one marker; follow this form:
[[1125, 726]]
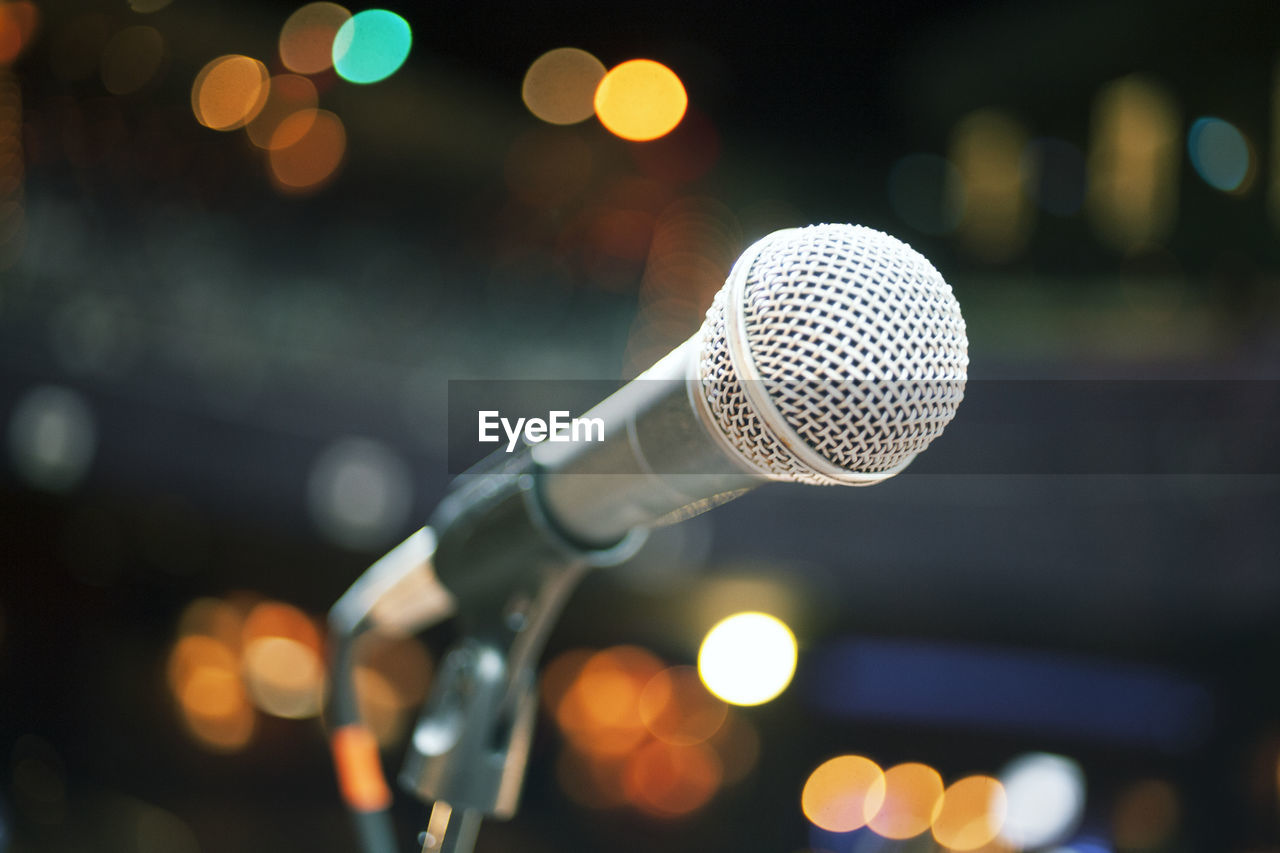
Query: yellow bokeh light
[[306, 39], [284, 677], [229, 92], [970, 813], [911, 793], [204, 676], [841, 793], [560, 85], [640, 100], [747, 658]]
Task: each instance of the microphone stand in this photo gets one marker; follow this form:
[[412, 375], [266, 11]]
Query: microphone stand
[[491, 557]]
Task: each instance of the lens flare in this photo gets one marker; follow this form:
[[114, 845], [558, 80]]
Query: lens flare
[[371, 46], [748, 658], [640, 100], [560, 85], [841, 793]]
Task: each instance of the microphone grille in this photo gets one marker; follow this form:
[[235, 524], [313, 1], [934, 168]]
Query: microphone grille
[[834, 354]]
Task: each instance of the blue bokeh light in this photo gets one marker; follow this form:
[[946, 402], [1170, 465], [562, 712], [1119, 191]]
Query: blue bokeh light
[[1219, 152], [371, 46]]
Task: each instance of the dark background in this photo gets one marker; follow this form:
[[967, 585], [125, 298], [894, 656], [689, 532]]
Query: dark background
[[222, 338]]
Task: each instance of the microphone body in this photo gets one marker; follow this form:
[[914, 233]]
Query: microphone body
[[832, 356]]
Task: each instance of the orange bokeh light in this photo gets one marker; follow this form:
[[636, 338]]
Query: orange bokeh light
[[204, 676], [309, 163], [18, 22], [290, 93], [306, 39], [599, 713], [970, 813], [229, 91], [911, 792], [667, 780], [640, 100], [842, 793], [676, 708]]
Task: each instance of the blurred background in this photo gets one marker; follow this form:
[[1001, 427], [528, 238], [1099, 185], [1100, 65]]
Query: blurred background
[[237, 275]]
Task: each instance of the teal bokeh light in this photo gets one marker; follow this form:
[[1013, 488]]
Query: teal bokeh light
[[1219, 152], [371, 46]]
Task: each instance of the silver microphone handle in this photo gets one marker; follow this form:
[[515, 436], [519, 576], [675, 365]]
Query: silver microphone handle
[[659, 461]]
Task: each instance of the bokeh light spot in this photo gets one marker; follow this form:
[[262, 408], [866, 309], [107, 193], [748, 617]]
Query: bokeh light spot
[[289, 94], [229, 92], [371, 46], [970, 813], [306, 39], [359, 489], [1146, 815], [747, 658], [304, 167], [1220, 153], [52, 438], [675, 707], [599, 713], [911, 792], [18, 22], [668, 780], [131, 59], [560, 85], [640, 100], [842, 792], [1046, 799]]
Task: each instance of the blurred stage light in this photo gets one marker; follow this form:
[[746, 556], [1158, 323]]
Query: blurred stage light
[[1220, 154], [911, 791], [131, 59], [676, 708], [1146, 815], [52, 438], [359, 492], [640, 100], [970, 813], [281, 661], [560, 85], [927, 193], [205, 678], [668, 780], [1133, 163], [289, 95], [986, 150], [843, 793], [748, 658], [306, 39], [18, 23], [1057, 170], [229, 91], [309, 162], [599, 713], [371, 46], [1046, 796]]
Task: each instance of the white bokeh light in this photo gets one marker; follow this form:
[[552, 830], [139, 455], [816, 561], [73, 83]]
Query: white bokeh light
[[747, 658], [52, 438], [1046, 796], [359, 492]]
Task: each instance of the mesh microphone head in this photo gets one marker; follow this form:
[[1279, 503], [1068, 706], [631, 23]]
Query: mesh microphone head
[[833, 354]]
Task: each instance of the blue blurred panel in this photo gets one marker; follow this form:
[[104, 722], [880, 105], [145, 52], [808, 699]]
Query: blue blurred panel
[[1005, 690]]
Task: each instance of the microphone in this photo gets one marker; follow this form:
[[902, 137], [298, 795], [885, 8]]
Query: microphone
[[833, 355]]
